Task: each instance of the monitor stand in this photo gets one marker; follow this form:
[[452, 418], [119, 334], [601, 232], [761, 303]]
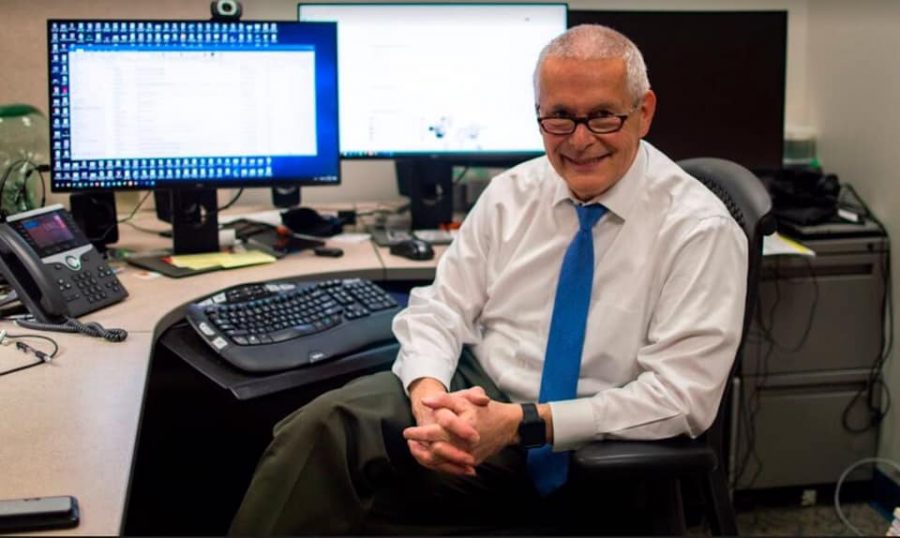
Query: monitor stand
[[429, 185], [195, 228]]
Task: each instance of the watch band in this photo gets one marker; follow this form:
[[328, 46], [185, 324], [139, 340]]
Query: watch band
[[532, 429]]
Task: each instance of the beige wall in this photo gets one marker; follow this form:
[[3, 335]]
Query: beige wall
[[854, 81]]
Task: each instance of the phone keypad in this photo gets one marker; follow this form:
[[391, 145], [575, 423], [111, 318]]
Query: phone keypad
[[92, 285]]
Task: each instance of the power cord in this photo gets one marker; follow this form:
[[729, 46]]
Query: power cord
[[163, 233], [461, 175], [72, 325], [124, 220], [24, 347], [233, 200], [840, 482], [750, 406], [875, 385]]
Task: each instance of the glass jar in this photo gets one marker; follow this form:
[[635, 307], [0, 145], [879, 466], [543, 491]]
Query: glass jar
[[24, 147]]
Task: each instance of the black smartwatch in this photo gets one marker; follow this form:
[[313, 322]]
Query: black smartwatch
[[532, 429]]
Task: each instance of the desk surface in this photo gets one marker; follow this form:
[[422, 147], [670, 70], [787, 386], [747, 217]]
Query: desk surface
[[70, 427]]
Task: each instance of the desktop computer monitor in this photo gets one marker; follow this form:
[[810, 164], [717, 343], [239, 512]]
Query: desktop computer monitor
[[436, 84], [189, 106]]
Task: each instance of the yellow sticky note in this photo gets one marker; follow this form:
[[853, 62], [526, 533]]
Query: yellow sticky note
[[196, 261], [250, 257], [225, 260]]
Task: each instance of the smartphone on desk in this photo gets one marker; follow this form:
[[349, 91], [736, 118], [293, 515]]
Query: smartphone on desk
[[38, 513]]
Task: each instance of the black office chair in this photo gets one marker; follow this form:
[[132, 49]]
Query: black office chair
[[665, 464]]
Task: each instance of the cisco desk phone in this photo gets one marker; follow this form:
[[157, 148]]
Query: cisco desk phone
[[55, 271]]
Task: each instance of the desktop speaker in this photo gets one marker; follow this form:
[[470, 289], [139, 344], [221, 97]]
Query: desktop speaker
[[286, 196], [162, 199], [195, 226], [95, 214]]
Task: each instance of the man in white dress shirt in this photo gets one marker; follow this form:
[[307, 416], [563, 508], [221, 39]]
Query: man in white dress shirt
[[439, 446]]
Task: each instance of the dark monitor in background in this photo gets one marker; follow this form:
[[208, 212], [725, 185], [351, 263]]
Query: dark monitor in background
[[433, 85], [719, 78], [190, 106]]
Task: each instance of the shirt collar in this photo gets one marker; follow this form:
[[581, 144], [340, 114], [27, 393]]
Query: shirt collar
[[619, 198]]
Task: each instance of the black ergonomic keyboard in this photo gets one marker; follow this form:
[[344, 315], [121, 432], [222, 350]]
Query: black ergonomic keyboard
[[267, 327]]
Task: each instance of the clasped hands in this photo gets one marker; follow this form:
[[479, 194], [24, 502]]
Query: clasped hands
[[456, 431]]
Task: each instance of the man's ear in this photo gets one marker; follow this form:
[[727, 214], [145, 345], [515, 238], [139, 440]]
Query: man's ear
[[647, 110]]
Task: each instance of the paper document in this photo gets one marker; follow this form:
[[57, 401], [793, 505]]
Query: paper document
[[350, 238], [225, 260], [777, 244]]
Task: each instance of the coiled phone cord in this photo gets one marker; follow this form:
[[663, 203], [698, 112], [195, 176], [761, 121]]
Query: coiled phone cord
[[72, 325]]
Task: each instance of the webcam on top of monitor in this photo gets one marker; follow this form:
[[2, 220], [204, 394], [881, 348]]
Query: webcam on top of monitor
[[225, 10]]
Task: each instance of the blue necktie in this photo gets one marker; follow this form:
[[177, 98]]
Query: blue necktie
[[562, 361]]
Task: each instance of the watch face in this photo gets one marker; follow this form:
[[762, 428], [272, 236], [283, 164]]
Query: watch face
[[532, 434]]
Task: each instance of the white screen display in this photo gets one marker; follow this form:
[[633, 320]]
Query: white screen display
[[438, 78], [179, 103]]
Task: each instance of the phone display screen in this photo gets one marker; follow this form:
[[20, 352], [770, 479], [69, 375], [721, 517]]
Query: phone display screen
[[48, 230], [48, 233]]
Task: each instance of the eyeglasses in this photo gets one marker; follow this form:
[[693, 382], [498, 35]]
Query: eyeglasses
[[604, 124]]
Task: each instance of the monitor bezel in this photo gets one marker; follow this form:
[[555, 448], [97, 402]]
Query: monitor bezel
[[216, 182]]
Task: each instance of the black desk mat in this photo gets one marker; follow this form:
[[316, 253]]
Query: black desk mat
[[160, 265]]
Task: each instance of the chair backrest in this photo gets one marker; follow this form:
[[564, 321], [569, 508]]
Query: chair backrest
[[750, 204]]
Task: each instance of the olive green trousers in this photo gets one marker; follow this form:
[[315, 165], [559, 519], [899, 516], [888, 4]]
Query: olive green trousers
[[340, 465]]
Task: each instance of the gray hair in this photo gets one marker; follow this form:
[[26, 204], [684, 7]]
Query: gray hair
[[596, 42]]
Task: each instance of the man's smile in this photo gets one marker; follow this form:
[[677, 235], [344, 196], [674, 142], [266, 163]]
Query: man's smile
[[585, 162]]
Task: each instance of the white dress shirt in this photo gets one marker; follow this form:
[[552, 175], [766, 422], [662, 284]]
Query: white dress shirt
[[666, 308]]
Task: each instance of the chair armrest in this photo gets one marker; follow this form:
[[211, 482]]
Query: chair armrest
[[668, 457]]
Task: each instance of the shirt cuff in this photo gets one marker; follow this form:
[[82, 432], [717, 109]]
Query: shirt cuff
[[408, 369], [573, 424]]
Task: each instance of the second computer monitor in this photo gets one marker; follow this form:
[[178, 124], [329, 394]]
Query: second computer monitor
[[439, 79]]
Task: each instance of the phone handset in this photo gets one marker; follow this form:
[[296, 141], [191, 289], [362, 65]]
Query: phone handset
[[24, 270]]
